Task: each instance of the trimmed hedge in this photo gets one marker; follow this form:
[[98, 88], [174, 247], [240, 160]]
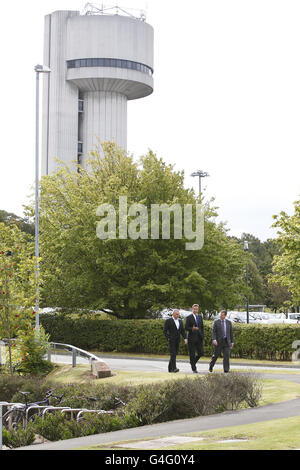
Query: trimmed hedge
[[251, 341]]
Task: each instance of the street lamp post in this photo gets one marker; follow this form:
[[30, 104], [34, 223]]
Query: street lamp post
[[246, 248], [38, 69], [201, 174]]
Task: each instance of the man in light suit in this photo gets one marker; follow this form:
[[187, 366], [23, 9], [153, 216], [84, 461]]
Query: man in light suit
[[222, 337], [195, 332], [173, 328]]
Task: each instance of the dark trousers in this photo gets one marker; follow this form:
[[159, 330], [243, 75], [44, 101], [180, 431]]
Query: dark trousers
[[223, 347], [195, 351], [173, 348]]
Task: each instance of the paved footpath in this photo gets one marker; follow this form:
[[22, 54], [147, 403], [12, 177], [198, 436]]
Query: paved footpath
[[233, 418]]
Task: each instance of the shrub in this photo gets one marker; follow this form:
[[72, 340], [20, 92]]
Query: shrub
[[18, 437], [10, 385], [150, 404], [188, 398], [32, 349]]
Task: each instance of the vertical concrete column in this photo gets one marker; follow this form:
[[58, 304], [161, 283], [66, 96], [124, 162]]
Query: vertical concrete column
[[60, 98], [104, 118]]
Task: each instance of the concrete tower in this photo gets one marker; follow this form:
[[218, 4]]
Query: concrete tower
[[97, 63]]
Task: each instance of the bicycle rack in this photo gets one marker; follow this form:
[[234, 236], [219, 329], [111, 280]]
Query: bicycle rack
[[99, 412], [35, 407], [9, 405], [54, 408], [73, 410]]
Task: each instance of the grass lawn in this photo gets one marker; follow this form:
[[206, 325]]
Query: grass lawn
[[279, 434], [63, 374], [274, 391]]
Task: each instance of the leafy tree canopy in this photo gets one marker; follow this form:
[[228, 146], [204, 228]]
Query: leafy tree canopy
[[130, 278], [286, 266], [17, 284], [9, 218]]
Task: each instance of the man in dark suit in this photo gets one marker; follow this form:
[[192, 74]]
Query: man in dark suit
[[222, 336], [195, 332], [173, 328]]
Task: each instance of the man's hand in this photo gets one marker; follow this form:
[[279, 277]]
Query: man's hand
[[231, 346], [215, 342], [185, 341], [195, 328]]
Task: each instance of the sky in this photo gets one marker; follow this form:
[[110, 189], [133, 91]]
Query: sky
[[226, 101]]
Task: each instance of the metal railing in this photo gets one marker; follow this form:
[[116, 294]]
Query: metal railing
[[74, 352]]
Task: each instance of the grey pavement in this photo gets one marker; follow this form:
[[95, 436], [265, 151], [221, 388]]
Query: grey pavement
[[161, 364], [238, 417]]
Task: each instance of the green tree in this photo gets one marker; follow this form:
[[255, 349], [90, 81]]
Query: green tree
[[260, 261], [17, 284], [278, 296], [23, 224], [286, 266], [131, 278]]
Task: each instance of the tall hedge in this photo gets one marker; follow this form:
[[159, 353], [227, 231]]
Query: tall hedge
[[252, 341]]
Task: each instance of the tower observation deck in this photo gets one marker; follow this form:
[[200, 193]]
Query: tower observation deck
[[98, 62]]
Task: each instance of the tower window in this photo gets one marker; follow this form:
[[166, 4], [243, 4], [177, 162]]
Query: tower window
[[107, 62]]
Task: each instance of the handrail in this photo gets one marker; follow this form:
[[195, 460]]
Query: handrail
[[75, 351]]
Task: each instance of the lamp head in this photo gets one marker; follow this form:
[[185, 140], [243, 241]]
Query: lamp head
[[42, 68]]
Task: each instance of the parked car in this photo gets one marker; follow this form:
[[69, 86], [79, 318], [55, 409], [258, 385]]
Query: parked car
[[274, 318], [294, 316], [167, 313]]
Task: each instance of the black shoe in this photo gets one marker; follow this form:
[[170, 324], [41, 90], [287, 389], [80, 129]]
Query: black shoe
[[210, 370], [195, 371], [176, 370]]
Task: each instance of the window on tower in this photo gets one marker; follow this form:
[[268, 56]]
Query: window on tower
[[108, 62]]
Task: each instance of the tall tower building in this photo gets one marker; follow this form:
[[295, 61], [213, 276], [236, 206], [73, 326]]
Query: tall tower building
[[98, 62]]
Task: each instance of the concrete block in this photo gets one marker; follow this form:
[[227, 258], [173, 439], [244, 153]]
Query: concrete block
[[100, 369]]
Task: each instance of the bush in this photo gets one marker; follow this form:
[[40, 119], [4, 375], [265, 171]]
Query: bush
[[253, 341], [18, 437], [54, 427], [10, 385], [188, 398], [32, 349]]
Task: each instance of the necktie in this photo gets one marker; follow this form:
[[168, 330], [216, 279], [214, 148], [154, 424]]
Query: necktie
[[223, 328]]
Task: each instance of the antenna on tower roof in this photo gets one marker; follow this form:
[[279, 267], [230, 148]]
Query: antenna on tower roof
[[92, 9]]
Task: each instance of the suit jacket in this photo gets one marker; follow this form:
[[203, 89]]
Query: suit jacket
[[171, 331], [217, 332], [194, 335]]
